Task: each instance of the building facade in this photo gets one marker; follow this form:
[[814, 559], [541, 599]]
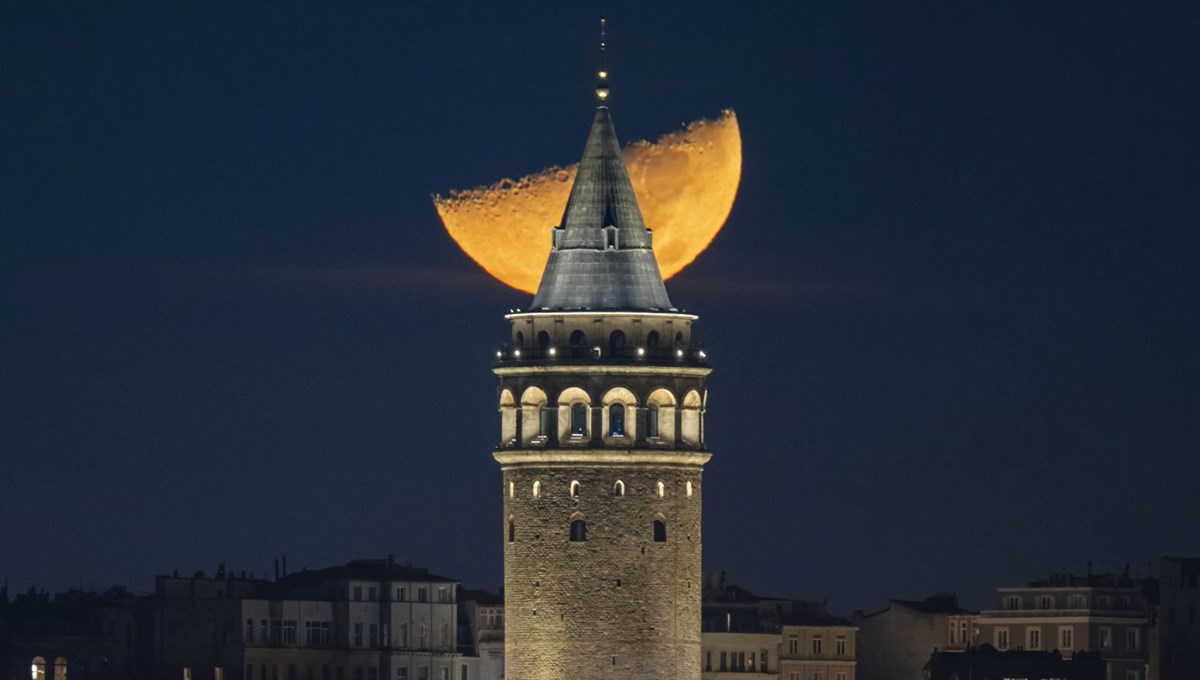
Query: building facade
[[895, 643], [1068, 614], [773, 637], [481, 631], [601, 396], [367, 620], [1175, 636]]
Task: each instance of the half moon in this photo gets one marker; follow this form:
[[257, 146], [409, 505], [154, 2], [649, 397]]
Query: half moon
[[685, 184]]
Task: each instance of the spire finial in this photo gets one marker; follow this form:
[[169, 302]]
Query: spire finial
[[602, 85]]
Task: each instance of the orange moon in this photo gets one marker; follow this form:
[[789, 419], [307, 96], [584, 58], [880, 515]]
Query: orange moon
[[685, 184]]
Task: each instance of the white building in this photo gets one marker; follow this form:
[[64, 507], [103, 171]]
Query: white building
[[367, 620]]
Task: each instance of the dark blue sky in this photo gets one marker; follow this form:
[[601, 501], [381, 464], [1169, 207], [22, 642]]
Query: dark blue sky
[[953, 314]]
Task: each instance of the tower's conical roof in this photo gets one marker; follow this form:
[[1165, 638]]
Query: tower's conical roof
[[602, 257]]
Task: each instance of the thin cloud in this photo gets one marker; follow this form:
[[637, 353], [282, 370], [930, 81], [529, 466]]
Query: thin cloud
[[363, 278]]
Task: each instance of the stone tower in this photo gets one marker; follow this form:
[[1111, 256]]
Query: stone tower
[[602, 396]]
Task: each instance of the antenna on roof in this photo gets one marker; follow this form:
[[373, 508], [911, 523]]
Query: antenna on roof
[[602, 85]]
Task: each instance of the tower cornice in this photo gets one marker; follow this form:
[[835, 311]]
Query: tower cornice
[[605, 369], [574, 457]]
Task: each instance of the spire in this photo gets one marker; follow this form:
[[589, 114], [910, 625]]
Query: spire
[[602, 74], [601, 257]]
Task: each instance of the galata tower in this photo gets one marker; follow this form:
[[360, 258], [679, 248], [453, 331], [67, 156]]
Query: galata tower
[[602, 397]]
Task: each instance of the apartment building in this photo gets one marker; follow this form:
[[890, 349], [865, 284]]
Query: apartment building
[[1067, 613]]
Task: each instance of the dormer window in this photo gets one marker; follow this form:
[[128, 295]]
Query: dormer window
[[610, 238]]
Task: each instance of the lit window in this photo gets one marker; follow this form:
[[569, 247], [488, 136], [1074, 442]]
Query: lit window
[[574, 489], [511, 489], [537, 489], [662, 490], [619, 488], [688, 487]]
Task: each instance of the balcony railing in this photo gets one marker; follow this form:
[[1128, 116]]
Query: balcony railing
[[509, 355]]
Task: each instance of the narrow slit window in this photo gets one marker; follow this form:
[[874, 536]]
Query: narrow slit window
[[512, 531]]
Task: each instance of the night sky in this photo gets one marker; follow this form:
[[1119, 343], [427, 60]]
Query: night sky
[[953, 315]]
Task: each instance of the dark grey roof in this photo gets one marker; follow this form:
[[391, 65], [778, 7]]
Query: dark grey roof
[[587, 270], [366, 570]]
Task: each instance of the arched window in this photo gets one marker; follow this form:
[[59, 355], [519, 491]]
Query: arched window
[[578, 419], [619, 488], [37, 669], [652, 340], [660, 530], [543, 340], [679, 339], [616, 420], [661, 489], [512, 531], [60, 669], [520, 339], [617, 417], [689, 419], [688, 486], [533, 426], [660, 417], [578, 530], [537, 489], [578, 344], [509, 417], [574, 489], [616, 344]]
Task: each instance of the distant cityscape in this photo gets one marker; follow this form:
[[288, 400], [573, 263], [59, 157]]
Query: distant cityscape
[[380, 619]]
